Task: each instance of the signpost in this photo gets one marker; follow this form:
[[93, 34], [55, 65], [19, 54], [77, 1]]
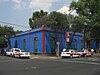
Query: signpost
[[57, 52]]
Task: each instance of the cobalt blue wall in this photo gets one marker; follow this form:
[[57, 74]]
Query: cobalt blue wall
[[94, 44], [48, 40], [50, 35], [12, 42], [29, 37], [38, 32], [78, 38]]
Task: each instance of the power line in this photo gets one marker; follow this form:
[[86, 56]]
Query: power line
[[12, 24]]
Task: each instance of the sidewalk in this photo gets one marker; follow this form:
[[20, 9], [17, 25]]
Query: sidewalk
[[97, 55], [43, 57]]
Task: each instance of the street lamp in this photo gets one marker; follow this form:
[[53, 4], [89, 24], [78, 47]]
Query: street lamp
[[84, 31], [84, 37]]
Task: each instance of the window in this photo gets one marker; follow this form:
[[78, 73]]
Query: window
[[16, 44], [24, 44], [53, 44], [82, 44], [75, 44], [35, 44]]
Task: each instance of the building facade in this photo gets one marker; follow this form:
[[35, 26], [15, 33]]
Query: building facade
[[44, 40]]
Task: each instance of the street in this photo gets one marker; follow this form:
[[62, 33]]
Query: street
[[16, 66]]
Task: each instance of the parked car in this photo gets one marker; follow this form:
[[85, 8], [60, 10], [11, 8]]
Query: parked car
[[16, 52], [85, 53], [12, 51], [70, 53], [22, 53], [3, 52]]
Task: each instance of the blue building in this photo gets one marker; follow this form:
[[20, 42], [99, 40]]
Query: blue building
[[44, 40], [94, 44], [75, 40]]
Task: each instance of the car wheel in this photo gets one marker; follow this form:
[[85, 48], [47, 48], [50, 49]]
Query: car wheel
[[10, 55], [19, 57], [71, 56], [63, 57], [14, 55], [79, 56], [85, 55]]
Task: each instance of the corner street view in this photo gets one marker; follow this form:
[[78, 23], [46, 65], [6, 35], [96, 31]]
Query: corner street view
[[51, 37]]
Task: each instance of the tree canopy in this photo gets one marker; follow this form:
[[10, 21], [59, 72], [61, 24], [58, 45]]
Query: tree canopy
[[90, 9], [77, 24], [57, 20], [53, 20], [6, 31], [36, 18], [3, 43]]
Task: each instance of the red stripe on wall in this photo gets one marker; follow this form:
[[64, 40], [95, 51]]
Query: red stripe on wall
[[60, 41], [43, 39]]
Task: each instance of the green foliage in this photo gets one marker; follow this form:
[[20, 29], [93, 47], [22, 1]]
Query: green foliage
[[6, 30], [77, 23], [18, 31], [57, 20], [95, 32], [53, 20], [3, 43], [90, 9], [36, 17], [88, 36]]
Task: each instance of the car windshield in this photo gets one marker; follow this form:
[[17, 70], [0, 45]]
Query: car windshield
[[17, 50], [66, 50]]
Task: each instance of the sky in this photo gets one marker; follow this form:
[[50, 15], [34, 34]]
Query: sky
[[18, 12]]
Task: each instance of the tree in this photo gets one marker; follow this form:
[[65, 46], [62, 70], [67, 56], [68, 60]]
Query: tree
[[54, 20], [18, 31], [57, 20], [37, 15], [6, 31], [90, 9], [3, 44], [76, 24]]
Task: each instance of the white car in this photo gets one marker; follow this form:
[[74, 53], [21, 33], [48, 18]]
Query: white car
[[22, 53], [70, 53], [16, 52], [85, 53], [12, 51]]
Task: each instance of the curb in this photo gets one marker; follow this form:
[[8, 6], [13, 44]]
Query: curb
[[96, 55], [44, 58]]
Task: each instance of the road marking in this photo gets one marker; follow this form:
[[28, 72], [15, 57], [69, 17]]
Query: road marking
[[31, 68], [34, 68]]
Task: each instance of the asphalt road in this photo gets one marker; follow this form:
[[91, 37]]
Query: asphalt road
[[15, 66]]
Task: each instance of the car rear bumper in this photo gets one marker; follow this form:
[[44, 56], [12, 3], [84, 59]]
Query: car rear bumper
[[65, 55], [24, 55]]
